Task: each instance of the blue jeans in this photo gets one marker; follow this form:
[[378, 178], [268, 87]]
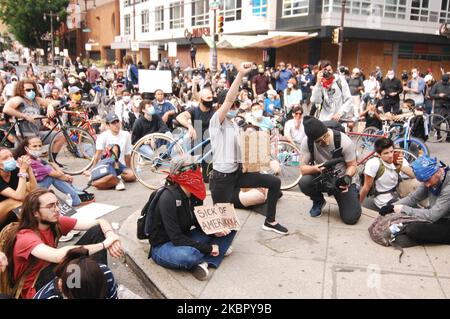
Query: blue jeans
[[63, 187], [187, 257], [146, 151]]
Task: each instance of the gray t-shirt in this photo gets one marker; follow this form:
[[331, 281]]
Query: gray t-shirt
[[224, 144], [33, 109], [323, 154]]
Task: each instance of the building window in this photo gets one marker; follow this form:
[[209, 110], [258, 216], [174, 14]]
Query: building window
[[445, 12], [127, 24], [159, 18], [419, 10], [259, 8], [363, 7], [200, 13], [395, 9], [293, 8], [232, 10], [145, 20], [176, 15]]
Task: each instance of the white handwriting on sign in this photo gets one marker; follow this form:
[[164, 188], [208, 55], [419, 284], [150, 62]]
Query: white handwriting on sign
[[217, 218]]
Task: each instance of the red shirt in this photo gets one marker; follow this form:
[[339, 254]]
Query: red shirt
[[26, 241]]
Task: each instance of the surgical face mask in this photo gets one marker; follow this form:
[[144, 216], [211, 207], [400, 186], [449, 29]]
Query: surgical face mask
[[71, 80], [390, 76], [414, 75], [232, 114], [257, 114], [306, 72], [137, 102], [372, 78], [31, 95], [10, 165], [76, 97], [150, 110], [34, 153], [126, 99], [290, 85]]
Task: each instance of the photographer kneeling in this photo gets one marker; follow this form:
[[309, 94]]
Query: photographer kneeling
[[323, 144]]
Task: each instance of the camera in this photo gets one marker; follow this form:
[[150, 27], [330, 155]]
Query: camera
[[405, 75]]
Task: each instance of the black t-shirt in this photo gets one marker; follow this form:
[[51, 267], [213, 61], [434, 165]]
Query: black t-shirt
[[13, 183], [198, 115]]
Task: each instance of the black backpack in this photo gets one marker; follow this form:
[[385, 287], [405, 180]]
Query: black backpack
[[337, 130], [418, 128], [145, 221]]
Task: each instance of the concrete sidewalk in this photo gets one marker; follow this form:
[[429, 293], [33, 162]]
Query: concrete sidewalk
[[320, 258]]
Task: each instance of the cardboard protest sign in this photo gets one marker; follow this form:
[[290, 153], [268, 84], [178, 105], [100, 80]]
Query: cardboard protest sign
[[255, 149], [152, 80], [217, 218]]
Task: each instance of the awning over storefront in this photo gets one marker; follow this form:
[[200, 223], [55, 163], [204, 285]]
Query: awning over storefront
[[273, 39], [127, 45]]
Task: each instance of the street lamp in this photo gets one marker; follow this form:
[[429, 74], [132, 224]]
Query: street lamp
[[51, 15]]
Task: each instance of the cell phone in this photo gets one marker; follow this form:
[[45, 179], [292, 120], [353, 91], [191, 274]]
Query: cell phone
[[396, 157]]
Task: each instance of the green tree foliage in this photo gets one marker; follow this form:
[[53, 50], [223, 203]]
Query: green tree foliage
[[25, 19]]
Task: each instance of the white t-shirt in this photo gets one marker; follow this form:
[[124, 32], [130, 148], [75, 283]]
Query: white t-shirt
[[385, 182], [297, 135], [123, 139]]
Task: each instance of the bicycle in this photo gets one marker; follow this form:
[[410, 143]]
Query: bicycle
[[151, 156], [76, 153], [438, 128]]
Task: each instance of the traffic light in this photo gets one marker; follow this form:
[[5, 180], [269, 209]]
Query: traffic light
[[335, 36], [220, 20]]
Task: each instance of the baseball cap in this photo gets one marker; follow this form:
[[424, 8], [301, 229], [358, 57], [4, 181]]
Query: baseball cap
[[111, 118], [74, 89]]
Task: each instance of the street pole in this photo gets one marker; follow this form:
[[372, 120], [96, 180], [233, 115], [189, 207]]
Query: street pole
[[134, 30], [214, 48], [53, 40], [341, 33]]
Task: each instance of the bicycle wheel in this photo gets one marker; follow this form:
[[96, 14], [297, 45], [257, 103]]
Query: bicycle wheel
[[365, 144], [288, 157], [438, 128], [151, 156], [77, 151], [414, 145]]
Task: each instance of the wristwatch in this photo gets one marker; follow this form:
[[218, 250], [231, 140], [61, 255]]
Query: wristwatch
[[25, 175]]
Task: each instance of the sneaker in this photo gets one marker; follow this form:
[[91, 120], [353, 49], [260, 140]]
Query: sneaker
[[228, 252], [277, 228], [120, 186], [201, 271], [316, 209], [86, 198]]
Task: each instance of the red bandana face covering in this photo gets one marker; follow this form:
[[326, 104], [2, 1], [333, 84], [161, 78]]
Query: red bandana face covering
[[327, 83], [192, 180]]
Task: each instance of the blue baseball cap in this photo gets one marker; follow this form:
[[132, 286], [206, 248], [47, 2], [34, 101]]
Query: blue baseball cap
[[425, 167]]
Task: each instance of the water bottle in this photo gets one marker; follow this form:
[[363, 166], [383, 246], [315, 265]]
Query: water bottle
[[69, 200], [395, 229]]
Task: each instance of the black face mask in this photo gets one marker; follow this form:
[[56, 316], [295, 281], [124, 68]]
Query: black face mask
[[207, 104], [326, 74], [445, 79]]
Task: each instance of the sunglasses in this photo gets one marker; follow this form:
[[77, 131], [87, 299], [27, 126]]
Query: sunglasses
[[29, 90]]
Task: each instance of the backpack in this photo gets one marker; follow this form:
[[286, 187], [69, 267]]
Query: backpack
[[337, 130], [418, 128], [104, 174], [145, 221], [381, 169], [380, 232]]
